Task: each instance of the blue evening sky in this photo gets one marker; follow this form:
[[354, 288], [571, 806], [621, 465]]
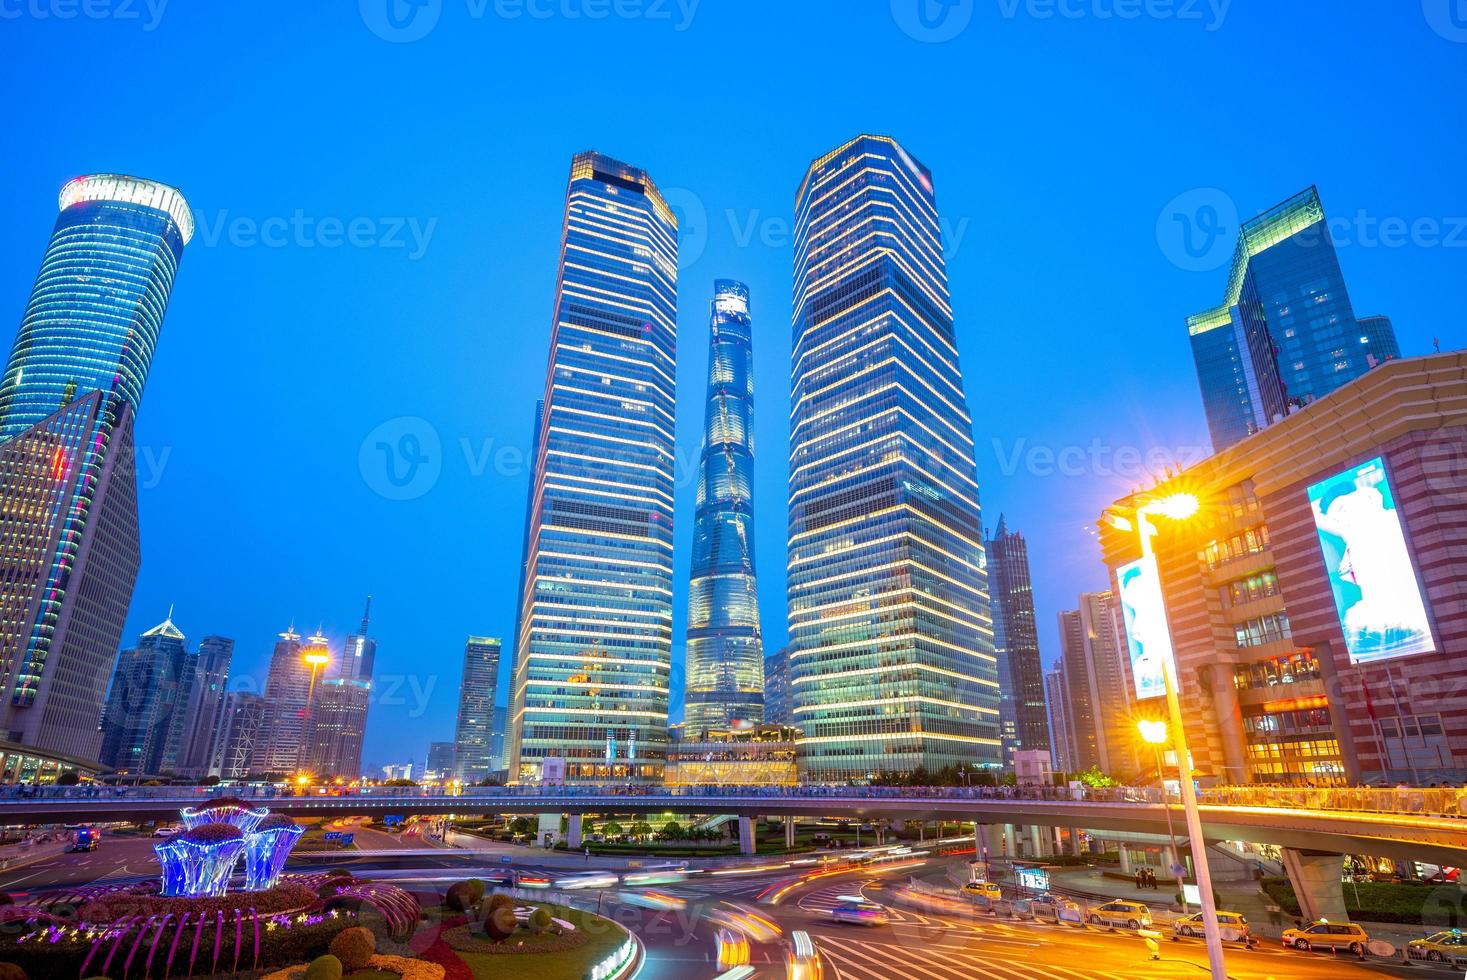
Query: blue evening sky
[[1072, 149]]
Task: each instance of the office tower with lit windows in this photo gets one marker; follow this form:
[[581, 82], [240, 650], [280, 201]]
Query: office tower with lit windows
[[359, 655], [891, 646], [208, 682], [473, 734], [440, 761], [1012, 594], [1097, 686], [143, 722], [1060, 744], [241, 730], [1285, 333], [594, 647], [70, 389], [725, 654], [337, 723], [779, 708], [295, 667]]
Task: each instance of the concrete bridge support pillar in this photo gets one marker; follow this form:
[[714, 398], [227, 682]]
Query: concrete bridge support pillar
[[1037, 841], [746, 836], [1125, 859], [1076, 845], [573, 840], [1316, 880], [789, 832]]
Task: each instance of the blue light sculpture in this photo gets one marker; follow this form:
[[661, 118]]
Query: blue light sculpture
[[267, 849], [198, 862], [224, 809]]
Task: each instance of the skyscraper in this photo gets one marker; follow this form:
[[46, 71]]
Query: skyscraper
[[1061, 746], [143, 723], [359, 656], [891, 647], [779, 707], [97, 308], [206, 702], [1285, 333], [337, 723], [70, 389], [472, 736], [1013, 603], [595, 620], [725, 665], [239, 737], [282, 746], [440, 761], [70, 523], [1097, 686]]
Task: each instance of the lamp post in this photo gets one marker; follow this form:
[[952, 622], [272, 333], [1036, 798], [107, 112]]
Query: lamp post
[[1153, 733], [1179, 507]]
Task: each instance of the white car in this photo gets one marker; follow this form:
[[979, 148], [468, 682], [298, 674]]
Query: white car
[[165, 831]]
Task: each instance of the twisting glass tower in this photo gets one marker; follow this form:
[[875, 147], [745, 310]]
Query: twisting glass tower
[[594, 649], [891, 646], [725, 675]]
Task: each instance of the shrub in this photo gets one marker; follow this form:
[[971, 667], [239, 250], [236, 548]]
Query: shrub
[[501, 901], [9, 971], [540, 920], [338, 873], [478, 887], [499, 921], [212, 833], [5, 899], [459, 897], [325, 967], [354, 947], [276, 820], [288, 896]]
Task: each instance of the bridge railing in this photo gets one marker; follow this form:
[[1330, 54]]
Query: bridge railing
[[1441, 801]]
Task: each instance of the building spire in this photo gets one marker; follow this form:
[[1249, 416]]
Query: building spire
[[366, 617]]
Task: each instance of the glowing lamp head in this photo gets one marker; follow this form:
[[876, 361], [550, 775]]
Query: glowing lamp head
[[303, 780], [1177, 506], [316, 658], [1152, 732]]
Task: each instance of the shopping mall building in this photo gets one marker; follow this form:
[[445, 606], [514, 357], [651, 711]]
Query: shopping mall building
[[1317, 601]]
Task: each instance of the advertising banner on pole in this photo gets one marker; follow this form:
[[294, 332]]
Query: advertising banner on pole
[[1148, 639]]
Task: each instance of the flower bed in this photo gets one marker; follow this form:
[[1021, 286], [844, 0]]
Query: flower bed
[[286, 897], [401, 966]]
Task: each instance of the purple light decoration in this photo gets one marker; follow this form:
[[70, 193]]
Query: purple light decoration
[[234, 812], [266, 853], [198, 869]]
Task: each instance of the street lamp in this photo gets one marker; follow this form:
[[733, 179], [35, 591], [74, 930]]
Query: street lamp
[[1178, 507], [314, 659], [1153, 733]]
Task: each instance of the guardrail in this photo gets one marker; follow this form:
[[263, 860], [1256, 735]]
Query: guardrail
[[1440, 801]]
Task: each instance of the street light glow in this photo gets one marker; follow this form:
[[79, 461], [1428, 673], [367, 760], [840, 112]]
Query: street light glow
[[316, 659], [1153, 732], [1177, 506]]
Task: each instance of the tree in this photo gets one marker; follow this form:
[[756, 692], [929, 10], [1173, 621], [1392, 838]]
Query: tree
[[641, 828], [68, 778], [399, 782], [612, 829], [1094, 778], [519, 825], [672, 830]]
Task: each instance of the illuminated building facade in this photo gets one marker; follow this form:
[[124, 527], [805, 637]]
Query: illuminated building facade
[[69, 517], [210, 678], [725, 665], [594, 649], [473, 735], [97, 308], [338, 722], [1285, 333], [240, 736], [143, 724], [359, 655], [1013, 608], [891, 648], [1097, 693], [779, 707], [1057, 695], [1316, 601], [765, 755], [283, 746]]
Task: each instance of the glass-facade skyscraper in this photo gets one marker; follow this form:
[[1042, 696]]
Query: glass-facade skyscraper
[[1013, 606], [594, 649], [725, 665], [473, 734], [891, 646], [97, 308], [1285, 333]]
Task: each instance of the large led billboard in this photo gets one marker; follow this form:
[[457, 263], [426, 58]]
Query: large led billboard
[[1377, 596], [1147, 636]]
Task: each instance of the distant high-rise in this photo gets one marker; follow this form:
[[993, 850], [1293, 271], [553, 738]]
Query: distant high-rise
[[496, 740], [473, 735], [142, 725], [1013, 604], [725, 655], [359, 656], [779, 706], [282, 747], [337, 723], [440, 760], [891, 646], [1060, 742], [97, 308], [240, 737], [594, 649], [1097, 689], [1285, 333], [69, 523], [206, 703]]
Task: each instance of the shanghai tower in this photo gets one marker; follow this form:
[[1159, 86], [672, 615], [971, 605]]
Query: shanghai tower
[[725, 667], [892, 666], [593, 653]]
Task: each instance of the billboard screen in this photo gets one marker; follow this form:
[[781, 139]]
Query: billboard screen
[[1377, 596], [1147, 636]]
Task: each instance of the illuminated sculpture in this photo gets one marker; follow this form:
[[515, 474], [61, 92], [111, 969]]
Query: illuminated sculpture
[[198, 862], [266, 850], [224, 809]]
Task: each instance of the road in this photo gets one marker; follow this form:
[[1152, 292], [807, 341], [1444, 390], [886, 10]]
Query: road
[[920, 945]]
